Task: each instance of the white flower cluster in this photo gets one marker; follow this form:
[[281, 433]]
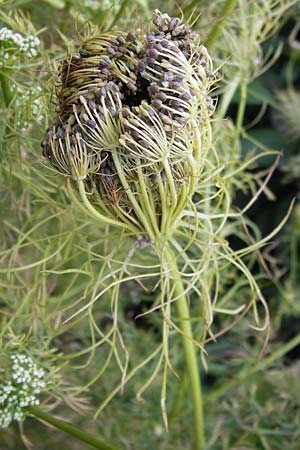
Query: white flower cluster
[[14, 46], [20, 389]]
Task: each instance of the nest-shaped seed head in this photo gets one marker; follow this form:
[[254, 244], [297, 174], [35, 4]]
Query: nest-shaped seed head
[[133, 122]]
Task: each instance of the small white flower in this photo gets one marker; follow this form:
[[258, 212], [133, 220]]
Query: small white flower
[[20, 389], [16, 45]]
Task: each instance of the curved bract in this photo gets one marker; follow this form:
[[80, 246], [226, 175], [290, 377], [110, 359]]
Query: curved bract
[[133, 123]]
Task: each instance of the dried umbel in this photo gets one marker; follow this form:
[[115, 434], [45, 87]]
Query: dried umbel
[[133, 124]]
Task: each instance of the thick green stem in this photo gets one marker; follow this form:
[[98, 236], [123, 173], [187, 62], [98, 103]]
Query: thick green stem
[[7, 94], [228, 7], [190, 353], [61, 425]]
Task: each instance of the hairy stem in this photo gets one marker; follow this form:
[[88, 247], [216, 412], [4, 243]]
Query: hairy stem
[[75, 432], [190, 353]]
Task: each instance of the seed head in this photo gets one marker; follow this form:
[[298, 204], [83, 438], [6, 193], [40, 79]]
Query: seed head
[[130, 108]]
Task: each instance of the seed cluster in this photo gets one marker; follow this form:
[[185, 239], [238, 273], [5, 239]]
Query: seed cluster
[[14, 46], [132, 105], [24, 381]]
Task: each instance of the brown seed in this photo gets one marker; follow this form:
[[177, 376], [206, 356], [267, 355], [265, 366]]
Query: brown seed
[[150, 60], [59, 134], [156, 103], [141, 65], [164, 43], [158, 47], [165, 118], [169, 76], [153, 88], [131, 86], [173, 23], [111, 50], [150, 39], [131, 37], [91, 123], [155, 179], [161, 96], [181, 120], [144, 143], [175, 85], [153, 53], [121, 39], [92, 104]]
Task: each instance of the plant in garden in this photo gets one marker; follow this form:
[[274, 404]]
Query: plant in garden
[[132, 133], [133, 138], [151, 177]]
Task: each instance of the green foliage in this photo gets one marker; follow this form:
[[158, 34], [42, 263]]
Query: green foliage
[[82, 297]]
